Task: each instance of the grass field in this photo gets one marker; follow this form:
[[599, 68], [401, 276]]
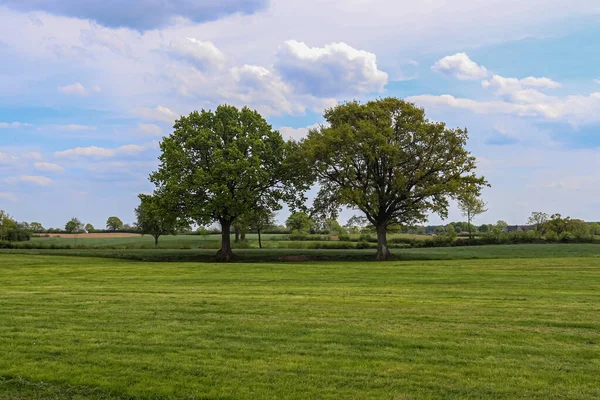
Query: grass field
[[90, 328], [553, 250], [183, 241]]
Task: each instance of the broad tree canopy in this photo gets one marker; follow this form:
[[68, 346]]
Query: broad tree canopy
[[223, 164], [387, 160]]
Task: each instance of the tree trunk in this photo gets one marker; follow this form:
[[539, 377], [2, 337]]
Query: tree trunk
[[237, 235], [155, 241], [243, 236], [225, 254], [469, 222], [259, 240], [383, 253]]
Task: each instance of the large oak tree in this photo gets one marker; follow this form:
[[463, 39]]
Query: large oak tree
[[224, 164], [388, 160]]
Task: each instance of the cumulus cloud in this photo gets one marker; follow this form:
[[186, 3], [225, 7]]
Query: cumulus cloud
[[295, 133], [102, 152], [520, 90], [574, 109], [90, 151], [329, 71], [50, 167], [141, 14], [36, 179], [159, 113], [78, 89], [203, 55], [6, 125], [460, 66]]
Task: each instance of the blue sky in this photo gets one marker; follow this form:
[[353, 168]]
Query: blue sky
[[88, 89]]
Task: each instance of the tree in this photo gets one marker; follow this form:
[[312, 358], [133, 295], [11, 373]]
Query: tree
[[299, 221], [157, 215], [578, 228], [538, 220], [356, 223], [221, 165], [89, 228], [557, 224], [73, 226], [470, 206], [36, 227], [595, 228], [486, 228], [387, 160], [114, 224], [334, 227], [261, 219], [7, 224], [501, 226]]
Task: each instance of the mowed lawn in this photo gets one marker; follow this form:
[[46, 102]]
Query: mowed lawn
[[74, 327]]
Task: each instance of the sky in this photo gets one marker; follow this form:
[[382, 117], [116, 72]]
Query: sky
[[88, 89]]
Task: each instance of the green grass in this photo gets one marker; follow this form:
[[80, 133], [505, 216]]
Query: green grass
[[146, 241], [190, 241], [277, 255], [115, 329]]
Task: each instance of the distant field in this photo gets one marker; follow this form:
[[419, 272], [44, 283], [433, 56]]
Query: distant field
[[136, 241], [87, 328], [516, 251]]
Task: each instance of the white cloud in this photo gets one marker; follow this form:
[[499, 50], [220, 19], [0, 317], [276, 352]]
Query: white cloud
[[520, 90], [574, 109], [6, 158], [50, 167], [76, 127], [160, 113], [91, 151], [15, 124], [78, 89], [329, 71], [37, 180], [295, 133], [102, 152], [150, 129], [597, 81], [8, 196], [460, 66], [130, 149], [204, 55]]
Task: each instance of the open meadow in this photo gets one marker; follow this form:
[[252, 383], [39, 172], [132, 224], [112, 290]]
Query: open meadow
[[105, 328]]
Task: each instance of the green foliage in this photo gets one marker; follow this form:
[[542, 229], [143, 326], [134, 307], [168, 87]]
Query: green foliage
[[114, 224], [387, 160], [538, 220], [595, 228], [158, 215], [299, 221], [500, 226], [89, 228], [74, 225], [557, 224], [36, 227], [221, 165], [470, 206]]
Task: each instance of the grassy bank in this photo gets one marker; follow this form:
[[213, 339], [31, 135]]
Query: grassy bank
[[112, 329]]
